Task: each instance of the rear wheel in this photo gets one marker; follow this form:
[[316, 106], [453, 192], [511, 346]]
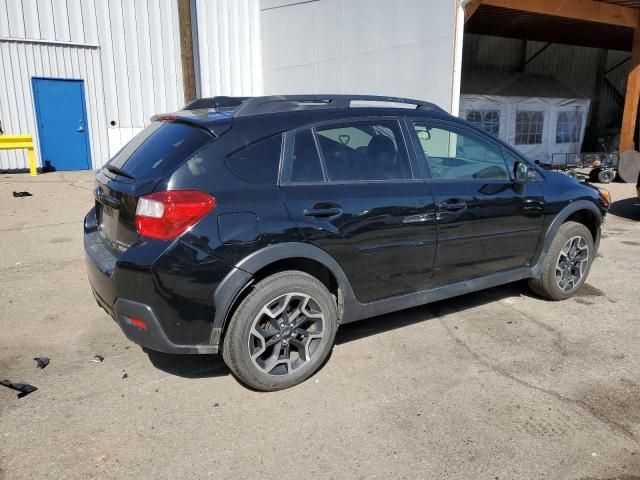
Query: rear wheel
[[567, 263], [282, 332]]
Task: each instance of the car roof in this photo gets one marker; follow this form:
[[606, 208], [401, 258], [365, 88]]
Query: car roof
[[217, 114]]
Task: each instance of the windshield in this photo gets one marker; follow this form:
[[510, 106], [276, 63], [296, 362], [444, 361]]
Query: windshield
[[158, 148]]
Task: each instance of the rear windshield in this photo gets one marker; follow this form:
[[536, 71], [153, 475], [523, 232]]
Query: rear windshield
[[158, 148]]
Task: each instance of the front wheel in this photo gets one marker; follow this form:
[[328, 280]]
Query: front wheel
[[567, 263], [282, 332]]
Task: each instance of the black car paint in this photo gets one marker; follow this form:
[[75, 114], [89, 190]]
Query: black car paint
[[381, 260]]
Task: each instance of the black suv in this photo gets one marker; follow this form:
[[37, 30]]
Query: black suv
[[256, 226]]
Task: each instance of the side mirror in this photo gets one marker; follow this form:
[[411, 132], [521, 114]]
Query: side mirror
[[521, 172]]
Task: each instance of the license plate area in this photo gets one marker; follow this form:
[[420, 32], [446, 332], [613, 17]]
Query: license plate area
[[108, 222]]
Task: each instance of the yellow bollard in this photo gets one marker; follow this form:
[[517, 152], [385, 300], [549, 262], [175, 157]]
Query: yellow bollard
[[8, 142]]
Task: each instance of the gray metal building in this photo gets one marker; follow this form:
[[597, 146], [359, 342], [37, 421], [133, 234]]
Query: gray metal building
[[117, 62]]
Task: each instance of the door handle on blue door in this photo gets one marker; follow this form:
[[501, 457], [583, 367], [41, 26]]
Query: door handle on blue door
[[452, 205], [323, 210], [80, 129]]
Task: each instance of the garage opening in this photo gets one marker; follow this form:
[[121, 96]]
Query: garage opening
[[557, 80]]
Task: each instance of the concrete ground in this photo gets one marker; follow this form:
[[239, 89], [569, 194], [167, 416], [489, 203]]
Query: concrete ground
[[493, 385]]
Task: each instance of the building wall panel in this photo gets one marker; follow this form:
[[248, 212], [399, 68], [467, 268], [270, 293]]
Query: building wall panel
[[402, 48], [228, 49]]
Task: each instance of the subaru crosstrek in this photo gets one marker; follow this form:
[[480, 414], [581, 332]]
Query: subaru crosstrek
[[256, 226]]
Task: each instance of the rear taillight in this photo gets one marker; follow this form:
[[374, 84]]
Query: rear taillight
[[165, 215]]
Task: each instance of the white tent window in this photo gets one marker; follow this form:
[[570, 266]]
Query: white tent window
[[568, 127], [487, 119], [529, 127]]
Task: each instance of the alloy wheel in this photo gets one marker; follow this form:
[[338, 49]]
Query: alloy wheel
[[572, 263], [286, 333]]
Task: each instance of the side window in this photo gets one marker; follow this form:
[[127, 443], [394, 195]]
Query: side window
[[363, 151], [305, 161], [259, 162], [453, 154]]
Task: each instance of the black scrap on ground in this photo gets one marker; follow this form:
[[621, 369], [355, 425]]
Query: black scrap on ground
[[42, 361], [24, 388], [22, 194]]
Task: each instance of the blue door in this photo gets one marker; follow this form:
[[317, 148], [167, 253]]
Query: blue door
[[62, 123]]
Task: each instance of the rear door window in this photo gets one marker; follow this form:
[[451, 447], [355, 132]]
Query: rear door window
[[364, 151], [159, 148]]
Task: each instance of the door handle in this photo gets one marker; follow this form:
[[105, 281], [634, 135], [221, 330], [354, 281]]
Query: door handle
[[452, 205], [322, 212], [80, 129]]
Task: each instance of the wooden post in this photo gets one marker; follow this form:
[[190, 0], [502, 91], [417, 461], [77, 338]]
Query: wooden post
[[470, 8], [630, 115], [186, 50]]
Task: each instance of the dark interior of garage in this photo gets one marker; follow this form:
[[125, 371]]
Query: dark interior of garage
[[580, 50]]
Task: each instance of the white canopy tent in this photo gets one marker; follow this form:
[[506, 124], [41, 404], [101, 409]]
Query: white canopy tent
[[535, 113]]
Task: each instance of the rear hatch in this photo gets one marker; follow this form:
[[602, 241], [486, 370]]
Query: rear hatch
[[135, 171]]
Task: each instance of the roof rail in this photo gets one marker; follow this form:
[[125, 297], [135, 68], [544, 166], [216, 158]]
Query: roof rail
[[215, 102], [284, 103]]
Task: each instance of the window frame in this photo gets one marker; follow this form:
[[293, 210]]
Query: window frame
[[462, 129], [289, 137]]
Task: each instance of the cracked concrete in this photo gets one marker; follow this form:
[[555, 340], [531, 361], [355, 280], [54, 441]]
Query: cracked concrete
[[495, 384]]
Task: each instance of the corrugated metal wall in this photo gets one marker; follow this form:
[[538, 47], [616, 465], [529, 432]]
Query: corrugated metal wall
[[128, 54], [228, 50], [22, 60], [108, 45]]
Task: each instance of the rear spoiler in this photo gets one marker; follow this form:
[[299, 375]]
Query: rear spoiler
[[215, 123], [215, 103]]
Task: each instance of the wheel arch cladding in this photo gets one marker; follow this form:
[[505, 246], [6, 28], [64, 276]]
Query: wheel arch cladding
[[581, 211], [588, 219], [290, 256]]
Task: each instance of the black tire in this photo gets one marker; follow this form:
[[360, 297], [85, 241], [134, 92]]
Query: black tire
[[547, 285], [282, 290], [606, 176], [593, 174]]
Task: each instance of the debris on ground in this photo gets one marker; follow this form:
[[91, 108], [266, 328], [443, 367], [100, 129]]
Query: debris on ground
[[42, 361], [24, 388], [125, 375], [22, 194], [97, 359]]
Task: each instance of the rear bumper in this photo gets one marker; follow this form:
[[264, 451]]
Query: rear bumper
[[128, 315], [128, 292]]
